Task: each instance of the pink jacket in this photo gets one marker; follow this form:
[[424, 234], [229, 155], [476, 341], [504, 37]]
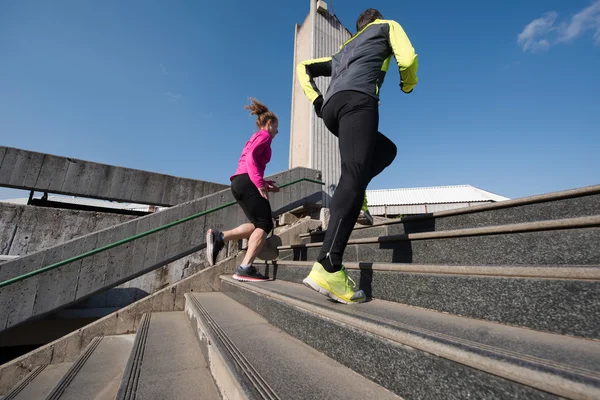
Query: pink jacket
[[255, 157]]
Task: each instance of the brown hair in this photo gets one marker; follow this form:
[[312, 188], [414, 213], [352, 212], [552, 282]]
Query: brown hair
[[366, 18], [263, 115]]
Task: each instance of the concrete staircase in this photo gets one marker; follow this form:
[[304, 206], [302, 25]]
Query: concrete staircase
[[498, 302]]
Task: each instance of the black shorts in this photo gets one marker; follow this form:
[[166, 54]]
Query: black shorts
[[256, 207]]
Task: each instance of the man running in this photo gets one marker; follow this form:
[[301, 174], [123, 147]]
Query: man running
[[350, 111]]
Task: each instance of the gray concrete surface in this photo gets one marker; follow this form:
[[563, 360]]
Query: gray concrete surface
[[80, 279], [553, 206], [97, 372], [126, 320], [541, 301], [169, 363], [563, 242], [27, 229], [292, 369], [24, 169], [419, 354], [39, 383]]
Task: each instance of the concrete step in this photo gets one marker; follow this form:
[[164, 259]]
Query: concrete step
[[574, 203], [97, 372], [558, 299], [166, 362], [39, 383], [252, 359], [422, 354], [54, 289], [561, 242]]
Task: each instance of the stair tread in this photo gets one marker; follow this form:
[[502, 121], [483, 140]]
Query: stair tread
[[40, 386], [100, 375], [455, 337], [567, 223], [291, 368], [482, 208], [173, 367], [531, 271]]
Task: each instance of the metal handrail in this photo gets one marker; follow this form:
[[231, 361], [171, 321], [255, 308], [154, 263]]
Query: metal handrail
[[134, 237]]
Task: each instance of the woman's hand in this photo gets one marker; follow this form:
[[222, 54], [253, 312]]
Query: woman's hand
[[272, 187], [264, 192]]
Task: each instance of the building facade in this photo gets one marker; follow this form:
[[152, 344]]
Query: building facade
[[311, 144]]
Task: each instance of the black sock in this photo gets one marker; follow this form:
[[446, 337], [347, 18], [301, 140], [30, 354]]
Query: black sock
[[329, 267]]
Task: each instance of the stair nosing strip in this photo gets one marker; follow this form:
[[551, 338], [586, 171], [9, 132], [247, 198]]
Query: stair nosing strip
[[424, 344], [246, 366], [264, 389], [539, 226], [25, 382], [242, 362], [130, 379], [70, 375], [554, 272]]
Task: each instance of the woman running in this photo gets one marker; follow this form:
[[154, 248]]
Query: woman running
[[252, 194]]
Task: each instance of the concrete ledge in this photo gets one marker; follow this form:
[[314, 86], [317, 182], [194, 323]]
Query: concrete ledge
[[122, 321], [76, 281], [23, 169]]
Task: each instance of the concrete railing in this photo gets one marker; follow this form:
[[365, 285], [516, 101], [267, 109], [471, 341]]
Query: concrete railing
[[55, 288], [24, 169]]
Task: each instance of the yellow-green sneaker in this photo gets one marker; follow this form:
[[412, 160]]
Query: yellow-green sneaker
[[335, 285]]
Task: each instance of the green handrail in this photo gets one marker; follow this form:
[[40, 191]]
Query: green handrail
[[134, 237]]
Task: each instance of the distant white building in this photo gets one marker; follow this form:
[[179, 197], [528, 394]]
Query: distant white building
[[84, 203], [393, 202]]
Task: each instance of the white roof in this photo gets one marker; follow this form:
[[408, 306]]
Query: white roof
[[431, 195], [88, 202]]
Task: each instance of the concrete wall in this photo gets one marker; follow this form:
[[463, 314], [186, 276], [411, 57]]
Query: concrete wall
[[52, 290], [27, 229], [23, 169]]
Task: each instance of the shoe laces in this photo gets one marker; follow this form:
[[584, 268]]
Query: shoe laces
[[353, 286]]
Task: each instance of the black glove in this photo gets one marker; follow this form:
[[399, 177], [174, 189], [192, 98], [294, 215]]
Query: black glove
[[402, 85], [318, 104]]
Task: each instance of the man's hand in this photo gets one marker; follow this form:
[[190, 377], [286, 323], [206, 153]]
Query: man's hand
[[318, 104], [402, 88], [264, 192], [272, 187]]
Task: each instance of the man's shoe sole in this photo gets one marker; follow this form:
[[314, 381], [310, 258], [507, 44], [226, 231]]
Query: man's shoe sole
[[318, 288]]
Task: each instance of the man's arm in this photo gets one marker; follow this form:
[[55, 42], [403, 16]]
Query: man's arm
[[406, 57], [308, 70]]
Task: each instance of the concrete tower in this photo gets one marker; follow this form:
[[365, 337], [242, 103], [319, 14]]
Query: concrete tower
[[311, 144]]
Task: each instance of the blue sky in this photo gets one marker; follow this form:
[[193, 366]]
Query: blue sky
[[508, 99]]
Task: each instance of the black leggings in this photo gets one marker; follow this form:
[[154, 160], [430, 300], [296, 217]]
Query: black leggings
[[354, 118], [256, 207]]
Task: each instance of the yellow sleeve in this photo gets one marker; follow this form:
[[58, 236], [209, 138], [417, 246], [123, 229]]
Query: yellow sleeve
[[407, 59], [308, 70]]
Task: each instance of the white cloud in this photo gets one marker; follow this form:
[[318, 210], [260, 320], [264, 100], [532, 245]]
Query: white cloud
[[541, 33], [532, 36], [174, 97]]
